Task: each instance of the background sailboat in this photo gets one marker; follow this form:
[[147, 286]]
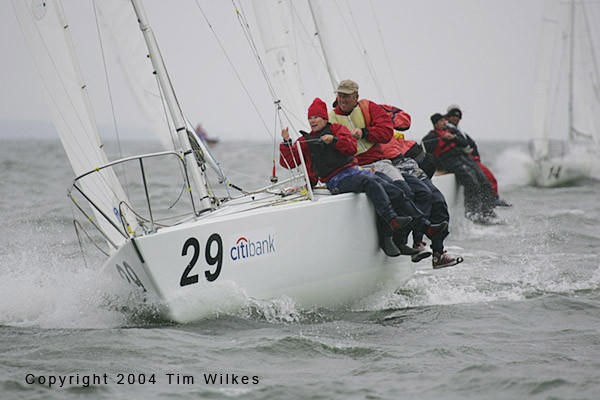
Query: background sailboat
[[567, 98]]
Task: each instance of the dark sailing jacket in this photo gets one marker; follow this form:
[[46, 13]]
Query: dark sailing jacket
[[322, 160], [441, 148]]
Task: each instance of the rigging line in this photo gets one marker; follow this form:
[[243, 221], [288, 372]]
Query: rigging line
[[244, 146], [277, 117], [558, 58], [170, 125], [64, 87], [308, 34], [294, 44], [562, 59], [316, 47], [290, 117], [241, 173], [59, 114], [294, 172], [592, 50], [77, 233], [79, 226], [385, 51], [245, 28], [368, 60], [75, 138], [110, 95], [361, 49], [233, 67]]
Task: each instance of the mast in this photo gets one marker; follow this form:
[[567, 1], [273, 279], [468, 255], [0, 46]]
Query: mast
[[571, 62], [176, 114]]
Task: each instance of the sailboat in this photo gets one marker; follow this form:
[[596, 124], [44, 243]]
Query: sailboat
[[567, 98], [285, 239]]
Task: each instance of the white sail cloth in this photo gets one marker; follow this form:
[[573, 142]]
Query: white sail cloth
[[46, 33]]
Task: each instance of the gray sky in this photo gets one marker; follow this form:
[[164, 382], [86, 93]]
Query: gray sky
[[480, 54]]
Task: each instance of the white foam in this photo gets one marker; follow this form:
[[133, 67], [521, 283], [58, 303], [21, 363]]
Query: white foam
[[514, 166]]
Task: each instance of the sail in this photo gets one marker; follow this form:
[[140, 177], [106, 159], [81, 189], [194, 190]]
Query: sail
[[567, 89], [325, 36], [46, 34], [279, 58], [586, 85], [546, 73], [119, 21]]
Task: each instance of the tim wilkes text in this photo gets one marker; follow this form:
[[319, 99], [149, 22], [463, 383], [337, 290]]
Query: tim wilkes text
[[85, 380]]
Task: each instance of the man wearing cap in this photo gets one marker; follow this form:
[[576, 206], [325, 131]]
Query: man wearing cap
[[453, 117], [449, 150], [371, 126], [367, 121]]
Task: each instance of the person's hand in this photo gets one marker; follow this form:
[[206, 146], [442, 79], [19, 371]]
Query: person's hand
[[285, 134], [448, 136], [356, 133], [327, 138]]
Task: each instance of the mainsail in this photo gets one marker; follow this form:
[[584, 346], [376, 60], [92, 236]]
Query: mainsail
[[567, 84], [546, 71], [47, 35], [584, 69], [118, 19]]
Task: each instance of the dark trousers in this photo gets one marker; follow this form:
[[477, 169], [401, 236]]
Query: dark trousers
[[379, 192], [479, 197], [406, 207], [433, 204], [403, 203]]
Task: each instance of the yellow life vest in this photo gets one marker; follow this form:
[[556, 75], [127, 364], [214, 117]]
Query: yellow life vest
[[398, 135], [354, 120]]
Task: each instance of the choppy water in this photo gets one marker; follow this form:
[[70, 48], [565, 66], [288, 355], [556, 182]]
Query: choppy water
[[520, 318]]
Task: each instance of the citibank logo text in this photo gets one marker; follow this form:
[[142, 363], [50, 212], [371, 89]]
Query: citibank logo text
[[245, 248]]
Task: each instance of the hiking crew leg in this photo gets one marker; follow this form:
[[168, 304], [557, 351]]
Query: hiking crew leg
[[485, 187], [399, 196], [385, 167], [368, 183], [422, 199], [422, 194], [490, 177], [439, 213], [466, 176], [399, 192]]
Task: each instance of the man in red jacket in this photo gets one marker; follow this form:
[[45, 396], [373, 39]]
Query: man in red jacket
[[372, 126]]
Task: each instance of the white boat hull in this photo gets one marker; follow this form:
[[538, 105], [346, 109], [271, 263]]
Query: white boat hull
[[560, 171], [263, 255]]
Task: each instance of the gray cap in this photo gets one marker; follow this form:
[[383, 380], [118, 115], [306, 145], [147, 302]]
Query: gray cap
[[347, 86]]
